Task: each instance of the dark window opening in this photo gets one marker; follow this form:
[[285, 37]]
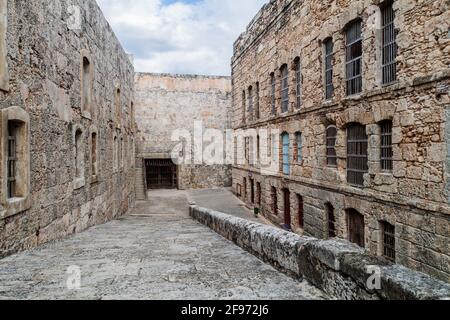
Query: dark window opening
[[354, 58], [388, 240], [300, 213], [298, 82], [389, 47], [12, 158], [243, 106], [386, 145], [331, 221], [258, 194], [284, 89], [356, 226], [357, 161], [287, 209], [250, 103], [274, 198], [161, 174], [257, 114], [272, 94], [329, 88]]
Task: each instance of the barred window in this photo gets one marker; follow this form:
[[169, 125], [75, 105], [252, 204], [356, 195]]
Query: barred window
[[12, 158], [329, 88], [243, 106], [298, 147], [386, 145], [273, 92], [285, 141], [388, 232], [354, 58], [300, 213], [298, 82], [331, 220], [273, 195], [357, 161], [389, 48], [284, 88], [331, 137], [257, 114], [250, 103]]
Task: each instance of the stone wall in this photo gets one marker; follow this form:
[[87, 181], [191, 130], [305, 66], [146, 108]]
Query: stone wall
[[166, 103], [62, 80], [337, 267], [414, 195]]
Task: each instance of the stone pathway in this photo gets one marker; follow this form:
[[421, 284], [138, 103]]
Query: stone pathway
[[156, 252]]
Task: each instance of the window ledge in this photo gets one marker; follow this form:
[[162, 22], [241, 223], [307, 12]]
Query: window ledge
[[79, 183], [14, 206]]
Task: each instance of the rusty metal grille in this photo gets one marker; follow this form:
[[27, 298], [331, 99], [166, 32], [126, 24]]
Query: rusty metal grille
[[273, 92], [300, 213], [250, 103], [298, 83], [161, 174], [257, 113], [12, 159], [356, 226], [386, 145], [354, 58], [388, 240], [331, 221], [284, 89], [329, 88], [273, 195], [389, 44], [357, 146], [331, 146]]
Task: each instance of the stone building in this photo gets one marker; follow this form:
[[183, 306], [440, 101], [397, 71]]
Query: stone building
[[169, 104], [356, 96], [66, 129]]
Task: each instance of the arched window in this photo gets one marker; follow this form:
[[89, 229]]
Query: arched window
[[86, 92], [386, 145], [285, 164], [273, 100], [298, 82], [357, 145], [298, 150], [356, 227], [331, 146], [300, 211], [331, 220], [353, 47], [284, 89], [274, 198]]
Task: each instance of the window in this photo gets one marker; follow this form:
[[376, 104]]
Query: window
[[250, 103], [257, 114], [275, 148], [298, 154], [258, 149], [274, 198], [94, 164], [355, 225], [247, 150], [357, 145], [79, 163], [329, 88], [389, 46], [386, 145], [4, 76], [12, 158], [331, 146], [354, 58], [331, 220], [117, 104], [121, 152], [115, 153], [273, 92], [300, 211], [298, 82], [258, 194], [284, 89], [86, 91], [285, 141], [243, 106], [388, 232], [245, 188]]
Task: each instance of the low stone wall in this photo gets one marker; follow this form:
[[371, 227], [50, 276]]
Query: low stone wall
[[341, 269]]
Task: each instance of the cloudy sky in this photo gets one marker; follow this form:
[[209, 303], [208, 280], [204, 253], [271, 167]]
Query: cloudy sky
[[180, 36]]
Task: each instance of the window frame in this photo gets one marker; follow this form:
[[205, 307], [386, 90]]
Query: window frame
[[284, 88], [386, 147], [286, 157], [355, 148], [388, 43], [298, 83], [273, 84], [331, 156], [353, 39], [388, 241], [328, 68], [86, 97], [274, 200]]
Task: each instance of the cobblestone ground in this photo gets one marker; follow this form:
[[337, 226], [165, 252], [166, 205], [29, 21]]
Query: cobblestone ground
[[156, 252]]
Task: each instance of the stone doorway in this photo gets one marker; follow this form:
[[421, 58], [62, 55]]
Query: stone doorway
[[161, 174]]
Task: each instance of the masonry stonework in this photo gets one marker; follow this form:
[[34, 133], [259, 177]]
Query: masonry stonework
[[413, 196], [64, 179], [166, 104]]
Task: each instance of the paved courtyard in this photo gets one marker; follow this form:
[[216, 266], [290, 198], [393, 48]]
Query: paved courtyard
[[156, 252]]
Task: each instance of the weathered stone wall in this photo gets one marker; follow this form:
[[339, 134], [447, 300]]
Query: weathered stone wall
[[166, 103], [339, 268], [414, 196], [44, 55]]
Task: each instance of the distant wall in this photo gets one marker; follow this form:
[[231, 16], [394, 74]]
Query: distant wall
[[165, 103]]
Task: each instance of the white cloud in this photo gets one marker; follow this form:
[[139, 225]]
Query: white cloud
[[190, 36]]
